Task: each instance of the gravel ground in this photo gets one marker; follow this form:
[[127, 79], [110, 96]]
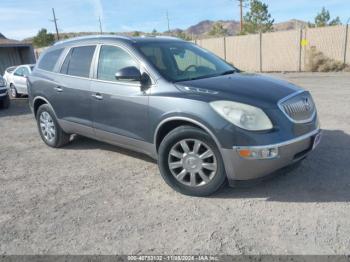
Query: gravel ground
[[93, 198]]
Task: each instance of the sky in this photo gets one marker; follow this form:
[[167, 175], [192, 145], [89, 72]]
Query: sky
[[22, 18]]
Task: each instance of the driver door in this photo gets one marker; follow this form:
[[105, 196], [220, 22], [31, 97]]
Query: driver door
[[119, 108]]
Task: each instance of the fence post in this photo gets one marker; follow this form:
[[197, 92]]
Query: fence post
[[346, 41], [300, 48], [224, 47], [260, 52]]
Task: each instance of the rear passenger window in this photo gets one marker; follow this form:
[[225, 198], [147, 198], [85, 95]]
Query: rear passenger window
[[49, 60], [78, 61]]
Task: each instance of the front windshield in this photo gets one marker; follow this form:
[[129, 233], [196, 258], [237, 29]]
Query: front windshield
[[181, 61]]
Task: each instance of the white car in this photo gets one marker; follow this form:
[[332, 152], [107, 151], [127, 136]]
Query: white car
[[16, 79], [8, 73]]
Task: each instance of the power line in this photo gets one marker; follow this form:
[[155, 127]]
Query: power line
[[55, 21]]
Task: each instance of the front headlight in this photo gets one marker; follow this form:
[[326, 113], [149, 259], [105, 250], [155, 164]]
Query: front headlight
[[242, 115]]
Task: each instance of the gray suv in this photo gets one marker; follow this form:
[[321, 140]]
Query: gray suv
[[202, 119]]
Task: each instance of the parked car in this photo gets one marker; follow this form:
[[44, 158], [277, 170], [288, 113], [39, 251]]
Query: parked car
[[16, 78], [4, 96], [201, 118], [8, 73]]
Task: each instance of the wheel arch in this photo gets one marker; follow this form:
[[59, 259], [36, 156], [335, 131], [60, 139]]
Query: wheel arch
[[168, 124], [38, 101]]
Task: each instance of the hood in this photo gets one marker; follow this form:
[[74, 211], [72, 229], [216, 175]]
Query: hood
[[252, 89]]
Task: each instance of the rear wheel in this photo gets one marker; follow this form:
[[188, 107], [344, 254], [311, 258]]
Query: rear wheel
[[190, 162], [13, 91], [49, 129]]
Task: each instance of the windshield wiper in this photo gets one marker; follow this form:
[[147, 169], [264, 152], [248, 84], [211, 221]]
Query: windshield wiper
[[228, 72]]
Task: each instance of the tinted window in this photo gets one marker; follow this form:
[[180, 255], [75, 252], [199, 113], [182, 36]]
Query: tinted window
[[78, 61], [26, 71], [49, 60], [111, 60], [180, 61], [19, 71]]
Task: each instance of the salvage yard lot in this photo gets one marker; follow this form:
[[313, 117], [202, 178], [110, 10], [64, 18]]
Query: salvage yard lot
[[93, 198]]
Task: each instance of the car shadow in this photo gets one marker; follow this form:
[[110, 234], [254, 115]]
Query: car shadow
[[324, 176]]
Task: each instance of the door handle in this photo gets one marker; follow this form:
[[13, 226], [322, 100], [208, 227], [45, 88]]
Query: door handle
[[97, 96], [58, 89]]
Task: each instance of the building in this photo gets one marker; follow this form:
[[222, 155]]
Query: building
[[14, 52]]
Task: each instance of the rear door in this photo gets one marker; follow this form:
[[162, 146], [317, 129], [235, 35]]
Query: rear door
[[120, 108], [72, 101]]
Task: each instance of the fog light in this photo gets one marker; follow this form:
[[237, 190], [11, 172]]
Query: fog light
[[258, 153]]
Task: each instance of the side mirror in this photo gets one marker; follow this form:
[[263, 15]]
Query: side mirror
[[130, 73]]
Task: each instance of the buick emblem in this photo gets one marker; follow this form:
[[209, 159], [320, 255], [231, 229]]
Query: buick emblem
[[307, 104]]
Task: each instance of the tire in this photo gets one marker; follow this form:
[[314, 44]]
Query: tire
[[13, 91], [181, 178], [49, 129], [5, 103]]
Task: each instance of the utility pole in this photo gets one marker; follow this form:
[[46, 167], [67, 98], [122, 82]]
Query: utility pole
[[99, 20], [241, 14], [167, 18], [55, 21]]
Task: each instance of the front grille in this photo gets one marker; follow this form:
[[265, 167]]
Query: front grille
[[3, 91], [299, 108]]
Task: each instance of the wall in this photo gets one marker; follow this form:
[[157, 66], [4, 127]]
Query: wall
[[280, 51]]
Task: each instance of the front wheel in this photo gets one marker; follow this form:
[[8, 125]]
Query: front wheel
[[190, 162], [13, 91]]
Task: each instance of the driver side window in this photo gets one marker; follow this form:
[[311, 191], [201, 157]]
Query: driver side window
[[111, 60], [187, 58]]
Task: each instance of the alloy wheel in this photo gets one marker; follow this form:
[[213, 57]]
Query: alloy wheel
[[192, 162], [47, 126]]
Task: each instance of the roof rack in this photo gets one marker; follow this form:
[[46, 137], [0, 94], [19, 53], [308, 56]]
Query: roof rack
[[161, 36], [168, 37], [92, 37]]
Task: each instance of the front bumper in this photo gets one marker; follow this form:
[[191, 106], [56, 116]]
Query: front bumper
[[289, 152]]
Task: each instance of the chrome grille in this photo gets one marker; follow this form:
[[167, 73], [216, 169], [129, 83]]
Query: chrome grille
[[299, 108]]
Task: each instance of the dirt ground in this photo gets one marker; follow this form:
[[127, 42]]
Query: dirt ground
[[93, 198]]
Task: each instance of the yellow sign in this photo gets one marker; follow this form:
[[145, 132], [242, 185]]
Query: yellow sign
[[304, 42]]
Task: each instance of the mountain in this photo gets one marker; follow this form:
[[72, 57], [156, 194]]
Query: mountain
[[233, 27], [290, 25], [203, 27]]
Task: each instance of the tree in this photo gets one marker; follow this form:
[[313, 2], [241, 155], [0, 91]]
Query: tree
[[136, 33], [43, 38], [183, 35], [154, 32], [323, 19], [258, 19], [218, 30]]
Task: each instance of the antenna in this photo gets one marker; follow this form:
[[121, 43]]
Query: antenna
[[55, 21]]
